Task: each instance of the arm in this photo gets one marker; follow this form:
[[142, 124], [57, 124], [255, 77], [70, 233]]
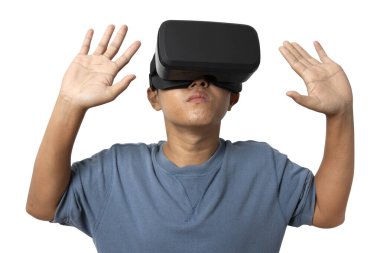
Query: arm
[[87, 83], [329, 92]]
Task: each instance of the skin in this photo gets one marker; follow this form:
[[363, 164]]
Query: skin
[[193, 118], [329, 92]]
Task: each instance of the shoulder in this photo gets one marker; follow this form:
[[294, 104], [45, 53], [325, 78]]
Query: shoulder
[[130, 147], [251, 146], [127, 149], [255, 152], [118, 152]]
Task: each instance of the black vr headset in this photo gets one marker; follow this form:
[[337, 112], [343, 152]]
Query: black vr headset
[[226, 54]]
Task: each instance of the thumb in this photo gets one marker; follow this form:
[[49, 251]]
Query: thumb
[[122, 85], [302, 100]]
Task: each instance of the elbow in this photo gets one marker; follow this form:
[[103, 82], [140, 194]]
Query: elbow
[[329, 222], [330, 216], [44, 214], [338, 221]]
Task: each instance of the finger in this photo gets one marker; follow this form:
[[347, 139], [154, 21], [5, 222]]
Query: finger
[[128, 54], [294, 62], [86, 42], [321, 52], [305, 54], [303, 100], [103, 44], [116, 43], [291, 47], [119, 87]]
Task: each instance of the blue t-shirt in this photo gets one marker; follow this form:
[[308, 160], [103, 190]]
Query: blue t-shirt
[[131, 198]]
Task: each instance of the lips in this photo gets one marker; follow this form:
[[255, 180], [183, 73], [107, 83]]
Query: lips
[[198, 97]]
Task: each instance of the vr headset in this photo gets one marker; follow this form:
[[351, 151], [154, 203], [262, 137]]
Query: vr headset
[[226, 54]]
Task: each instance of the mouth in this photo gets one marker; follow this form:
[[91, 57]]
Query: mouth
[[198, 97]]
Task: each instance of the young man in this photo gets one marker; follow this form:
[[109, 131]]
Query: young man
[[194, 192]]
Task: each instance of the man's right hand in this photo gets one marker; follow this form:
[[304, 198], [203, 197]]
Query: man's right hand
[[88, 82]]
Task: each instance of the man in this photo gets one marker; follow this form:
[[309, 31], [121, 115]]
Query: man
[[195, 192]]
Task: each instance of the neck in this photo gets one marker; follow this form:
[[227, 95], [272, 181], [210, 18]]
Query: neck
[[185, 148]]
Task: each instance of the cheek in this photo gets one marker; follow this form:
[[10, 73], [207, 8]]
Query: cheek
[[173, 111], [222, 109], [171, 106], [224, 103]]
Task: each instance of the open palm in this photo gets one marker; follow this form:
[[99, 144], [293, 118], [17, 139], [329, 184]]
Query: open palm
[[89, 81], [327, 85]]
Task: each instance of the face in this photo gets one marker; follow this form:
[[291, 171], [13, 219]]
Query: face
[[201, 104]]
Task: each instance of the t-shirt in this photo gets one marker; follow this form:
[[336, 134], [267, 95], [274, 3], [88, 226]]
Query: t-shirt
[[131, 198]]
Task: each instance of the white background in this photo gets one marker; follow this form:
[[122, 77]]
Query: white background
[[40, 38]]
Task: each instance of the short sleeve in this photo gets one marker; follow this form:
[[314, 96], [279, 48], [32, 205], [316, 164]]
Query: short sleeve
[[84, 201], [296, 191]]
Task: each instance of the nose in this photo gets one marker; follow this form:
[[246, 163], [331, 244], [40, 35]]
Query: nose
[[199, 82]]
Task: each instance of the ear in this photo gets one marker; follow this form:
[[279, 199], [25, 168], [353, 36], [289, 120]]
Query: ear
[[234, 98], [153, 98]]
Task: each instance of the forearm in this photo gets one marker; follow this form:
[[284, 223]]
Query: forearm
[[334, 177], [52, 171]]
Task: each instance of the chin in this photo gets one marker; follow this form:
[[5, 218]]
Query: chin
[[202, 122], [197, 119]]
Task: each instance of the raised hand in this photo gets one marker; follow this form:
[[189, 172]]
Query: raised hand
[[88, 82], [328, 88]]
